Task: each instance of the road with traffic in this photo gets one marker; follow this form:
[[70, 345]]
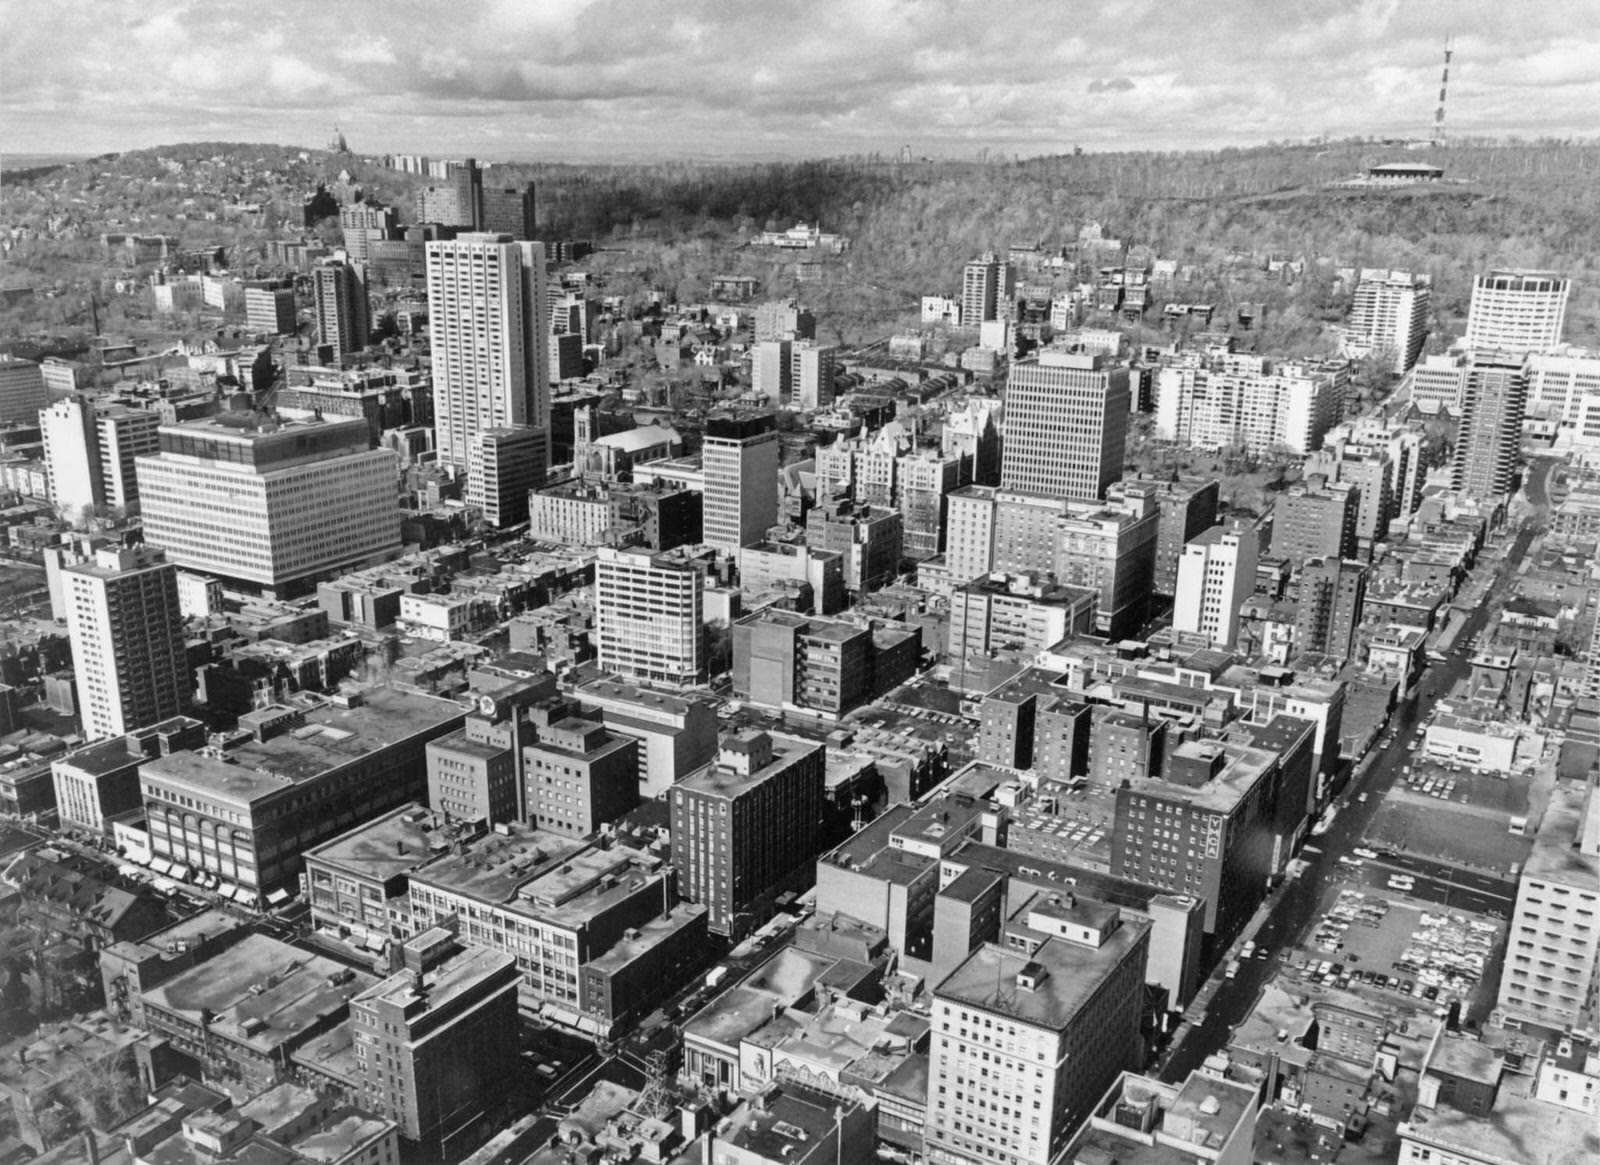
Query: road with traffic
[[1293, 904]]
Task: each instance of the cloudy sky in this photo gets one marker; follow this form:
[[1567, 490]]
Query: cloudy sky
[[586, 79]]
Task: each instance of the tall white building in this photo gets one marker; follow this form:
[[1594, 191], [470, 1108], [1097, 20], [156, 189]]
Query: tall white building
[[739, 455], [1389, 315], [772, 371], [1558, 381], [90, 453], [1216, 573], [267, 503], [1066, 425], [648, 616], [1517, 311], [812, 369], [1217, 401], [489, 327], [1552, 968], [127, 640]]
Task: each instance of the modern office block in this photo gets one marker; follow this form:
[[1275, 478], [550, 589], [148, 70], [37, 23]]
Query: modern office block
[[127, 640], [269, 306], [505, 463], [22, 390], [509, 211], [648, 616], [745, 824], [580, 774], [739, 454], [270, 504], [1066, 426]]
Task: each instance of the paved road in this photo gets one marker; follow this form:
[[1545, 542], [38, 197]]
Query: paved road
[[1294, 903]]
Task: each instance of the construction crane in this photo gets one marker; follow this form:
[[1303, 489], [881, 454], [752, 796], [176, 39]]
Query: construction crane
[[1437, 137]]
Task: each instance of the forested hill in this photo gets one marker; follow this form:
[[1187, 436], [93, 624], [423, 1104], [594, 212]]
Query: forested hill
[[913, 225]]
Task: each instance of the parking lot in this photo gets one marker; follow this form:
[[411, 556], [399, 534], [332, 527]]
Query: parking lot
[[1379, 939]]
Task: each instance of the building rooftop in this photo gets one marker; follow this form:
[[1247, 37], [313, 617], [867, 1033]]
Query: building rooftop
[[1519, 1130], [58, 1050], [494, 867], [443, 982], [396, 843], [720, 780], [1240, 771], [1467, 1058], [330, 736], [195, 929], [260, 992], [1558, 855], [988, 977], [783, 1124]]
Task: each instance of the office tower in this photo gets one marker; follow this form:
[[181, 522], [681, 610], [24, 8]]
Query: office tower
[[1028, 1033], [343, 312], [1184, 509], [969, 532], [648, 620], [122, 436], [1389, 318], [509, 211], [270, 504], [1316, 519], [1216, 573], [811, 373], [580, 774], [505, 463], [1489, 433], [365, 223], [1517, 311], [739, 455], [1552, 964], [747, 823], [71, 456], [127, 640], [269, 306], [22, 391], [980, 281], [437, 1043], [1202, 826], [1332, 591], [772, 371], [488, 319], [457, 201], [1066, 426], [784, 319]]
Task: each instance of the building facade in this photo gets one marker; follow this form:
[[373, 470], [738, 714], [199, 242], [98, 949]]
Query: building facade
[[1066, 426], [648, 616]]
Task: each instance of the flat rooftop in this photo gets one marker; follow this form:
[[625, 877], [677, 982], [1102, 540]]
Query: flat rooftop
[[1556, 855], [260, 979], [494, 867], [444, 982], [988, 977], [719, 780], [1241, 772], [396, 843], [1519, 1128], [330, 737]]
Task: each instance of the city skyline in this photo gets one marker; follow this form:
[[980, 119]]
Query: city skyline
[[592, 80]]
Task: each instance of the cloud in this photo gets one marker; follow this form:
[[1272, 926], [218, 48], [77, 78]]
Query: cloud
[[576, 77]]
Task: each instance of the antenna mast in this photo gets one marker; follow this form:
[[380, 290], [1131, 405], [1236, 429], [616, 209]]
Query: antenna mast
[[1437, 137]]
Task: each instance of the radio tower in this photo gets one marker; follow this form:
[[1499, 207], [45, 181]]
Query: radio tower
[[1437, 138]]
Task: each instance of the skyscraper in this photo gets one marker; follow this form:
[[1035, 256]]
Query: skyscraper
[[90, 453], [1216, 573], [979, 282], [1489, 435], [489, 321], [269, 306], [342, 308], [509, 211], [740, 458], [127, 639], [22, 391], [1517, 311], [648, 616], [1389, 315], [1066, 426], [812, 367]]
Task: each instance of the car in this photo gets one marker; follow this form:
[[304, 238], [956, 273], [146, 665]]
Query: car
[[1362, 798], [1430, 993], [1248, 951]]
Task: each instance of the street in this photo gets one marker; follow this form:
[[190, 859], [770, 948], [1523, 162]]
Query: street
[[1294, 904]]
